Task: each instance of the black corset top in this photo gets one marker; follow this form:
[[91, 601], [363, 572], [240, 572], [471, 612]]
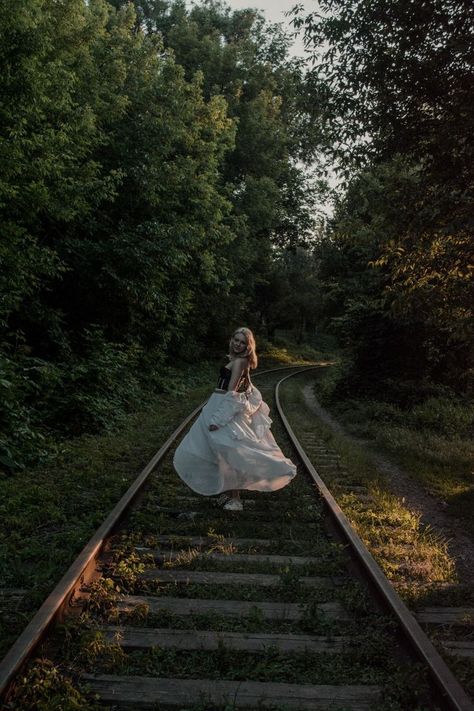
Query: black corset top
[[225, 375], [224, 378]]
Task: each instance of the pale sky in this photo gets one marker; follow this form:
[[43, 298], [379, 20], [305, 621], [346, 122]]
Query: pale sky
[[274, 12]]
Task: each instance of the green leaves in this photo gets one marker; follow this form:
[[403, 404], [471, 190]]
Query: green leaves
[[148, 168], [396, 113]]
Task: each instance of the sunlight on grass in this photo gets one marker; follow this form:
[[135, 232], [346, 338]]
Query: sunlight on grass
[[432, 440], [408, 551], [291, 354]]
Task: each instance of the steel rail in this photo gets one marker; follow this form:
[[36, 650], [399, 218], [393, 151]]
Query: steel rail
[[36, 630], [444, 679]]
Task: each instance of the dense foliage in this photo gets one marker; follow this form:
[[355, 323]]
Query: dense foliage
[[155, 192], [397, 82], [149, 169]]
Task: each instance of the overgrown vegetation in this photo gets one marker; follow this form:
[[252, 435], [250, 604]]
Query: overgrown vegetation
[[396, 265], [427, 430], [150, 188], [49, 513], [414, 556], [84, 645]]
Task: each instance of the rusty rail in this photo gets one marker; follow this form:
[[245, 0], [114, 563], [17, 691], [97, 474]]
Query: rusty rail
[[444, 679], [38, 627]]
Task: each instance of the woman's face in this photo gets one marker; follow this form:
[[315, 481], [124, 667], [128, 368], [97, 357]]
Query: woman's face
[[239, 343]]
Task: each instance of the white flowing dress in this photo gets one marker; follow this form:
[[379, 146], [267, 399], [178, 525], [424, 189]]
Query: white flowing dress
[[241, 454]]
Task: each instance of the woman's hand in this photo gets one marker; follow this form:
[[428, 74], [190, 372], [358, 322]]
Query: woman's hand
[[213, 428]]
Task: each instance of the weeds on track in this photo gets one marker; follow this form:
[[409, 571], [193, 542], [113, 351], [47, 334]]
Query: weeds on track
[[408, 552], [413, 556], [296, 527]]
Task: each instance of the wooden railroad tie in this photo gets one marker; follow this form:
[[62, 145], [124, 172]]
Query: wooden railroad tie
[[145, 692], [200, 577], [446, 616], [229, 608], [165, 638], [238, 558]]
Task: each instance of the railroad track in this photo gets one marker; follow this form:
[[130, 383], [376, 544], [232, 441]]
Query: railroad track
[[176, 603]]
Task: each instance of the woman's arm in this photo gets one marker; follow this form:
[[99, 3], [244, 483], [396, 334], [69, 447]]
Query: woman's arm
[[238, 367]]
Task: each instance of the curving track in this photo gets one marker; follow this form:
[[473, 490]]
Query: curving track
[[248, 609]]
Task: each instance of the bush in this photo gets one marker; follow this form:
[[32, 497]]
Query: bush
[[286, 350], [444, 416], [408, 404], [43, 401], [98, 387], [23, 439], [374, 411]]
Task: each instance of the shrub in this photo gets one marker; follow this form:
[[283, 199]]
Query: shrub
[[99, 385], [445, 416], [23, 439]]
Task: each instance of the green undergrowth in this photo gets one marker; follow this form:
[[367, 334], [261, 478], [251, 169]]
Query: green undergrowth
[[413, 556], [292, 516], [48, 514], [408, 551], [427, 430]]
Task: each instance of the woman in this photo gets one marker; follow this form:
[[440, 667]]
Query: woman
[[230, 446]]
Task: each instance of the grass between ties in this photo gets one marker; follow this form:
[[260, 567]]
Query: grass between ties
[[364, 661], [90, 478], [48, 514], [414, 557]]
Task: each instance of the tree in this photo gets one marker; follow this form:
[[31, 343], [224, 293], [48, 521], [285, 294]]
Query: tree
[[397, 83], [151, 169], [103, 227]]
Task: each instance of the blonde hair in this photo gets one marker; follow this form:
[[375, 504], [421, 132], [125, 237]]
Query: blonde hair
[[250, 353]]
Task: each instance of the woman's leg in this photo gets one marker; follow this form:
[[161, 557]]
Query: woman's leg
[[234, 503], [230, 494]]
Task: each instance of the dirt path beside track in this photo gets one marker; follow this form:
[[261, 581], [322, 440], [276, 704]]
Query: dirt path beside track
[[400, 483]]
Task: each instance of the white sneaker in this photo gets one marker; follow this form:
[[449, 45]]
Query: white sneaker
[[234, 505]]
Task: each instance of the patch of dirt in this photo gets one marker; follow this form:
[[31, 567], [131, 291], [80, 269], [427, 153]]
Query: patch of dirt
[[417, 499]]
